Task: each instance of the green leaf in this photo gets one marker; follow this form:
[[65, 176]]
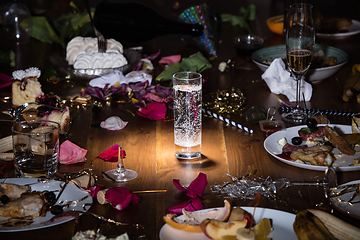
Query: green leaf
[[169, 72], [194, 63], [252, 12], [245, 14], [42, 30], [308, 130]]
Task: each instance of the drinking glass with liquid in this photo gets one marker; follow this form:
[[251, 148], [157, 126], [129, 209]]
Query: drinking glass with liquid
[[36, 148], [187, 114]]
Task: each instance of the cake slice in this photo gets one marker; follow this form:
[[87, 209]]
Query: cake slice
[[26, 87]]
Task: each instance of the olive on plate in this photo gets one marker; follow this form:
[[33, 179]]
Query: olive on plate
[[296, 140]]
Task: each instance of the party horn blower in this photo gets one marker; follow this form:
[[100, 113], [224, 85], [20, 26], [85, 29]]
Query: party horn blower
[[228, 121], [204, 16]]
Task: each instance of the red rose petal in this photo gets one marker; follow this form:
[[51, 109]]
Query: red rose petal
[[120, 198], [154, 111], [191, 205]]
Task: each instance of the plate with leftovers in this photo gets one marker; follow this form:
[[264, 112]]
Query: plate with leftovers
[[72, 195], [342, 162], [345, 198], [343, 32], [282, 224], [327, 60]]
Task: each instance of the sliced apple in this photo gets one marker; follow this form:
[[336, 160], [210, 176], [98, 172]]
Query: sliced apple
[[237, 213], [214, 229], [217, 214], [194, 219], [169, 219]]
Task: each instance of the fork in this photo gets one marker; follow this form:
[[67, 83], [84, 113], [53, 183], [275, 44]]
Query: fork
[[102, 42]]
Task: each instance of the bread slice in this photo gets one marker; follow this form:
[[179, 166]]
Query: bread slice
[[338, 141]]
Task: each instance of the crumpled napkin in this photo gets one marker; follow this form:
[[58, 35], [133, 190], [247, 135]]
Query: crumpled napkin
[[279, 81], [116, 78], [112, 154], [70, 153], [113, 123], [196, 187]]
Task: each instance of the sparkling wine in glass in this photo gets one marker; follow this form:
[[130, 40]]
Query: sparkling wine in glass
[[300, 40], [120, 174]]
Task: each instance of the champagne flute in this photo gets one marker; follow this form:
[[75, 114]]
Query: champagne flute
[[120, 174], [300, 40]]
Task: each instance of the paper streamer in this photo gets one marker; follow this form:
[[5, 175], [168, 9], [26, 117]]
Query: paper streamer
[[228, 121]]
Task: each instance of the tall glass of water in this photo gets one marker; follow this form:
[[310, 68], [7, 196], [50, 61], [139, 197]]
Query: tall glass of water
[[187, 114]]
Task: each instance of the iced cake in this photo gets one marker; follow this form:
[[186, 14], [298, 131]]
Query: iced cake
[[26, 87]]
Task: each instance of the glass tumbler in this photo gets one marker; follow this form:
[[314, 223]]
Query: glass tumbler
[[36, 148], [187, 114]]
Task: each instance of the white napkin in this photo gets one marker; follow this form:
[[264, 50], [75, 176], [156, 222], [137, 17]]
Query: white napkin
[[116, 78], [279, 81]]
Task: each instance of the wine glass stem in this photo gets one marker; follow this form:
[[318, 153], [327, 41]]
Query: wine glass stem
[[298, 82], [120, 166]]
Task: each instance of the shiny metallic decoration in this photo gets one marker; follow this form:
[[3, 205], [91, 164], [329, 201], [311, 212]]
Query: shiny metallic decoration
[[203, 15], [225, 102]]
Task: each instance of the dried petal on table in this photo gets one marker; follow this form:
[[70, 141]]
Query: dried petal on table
[[111, 154], [113, 123], [120, 198], [196, 187], [169, 60], [154, 111], [94, 190], [70, 153], [190, 205]]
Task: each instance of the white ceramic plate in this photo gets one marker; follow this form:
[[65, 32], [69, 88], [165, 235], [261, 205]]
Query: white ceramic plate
[[353, 29], [71, 193], [282, 223], [266, 55], [341, 164], [344, 206]]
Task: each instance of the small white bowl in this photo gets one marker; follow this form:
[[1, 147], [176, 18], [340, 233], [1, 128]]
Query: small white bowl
[[263, 57]]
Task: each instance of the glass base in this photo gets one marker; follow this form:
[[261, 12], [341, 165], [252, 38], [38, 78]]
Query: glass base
[[295, 116], [122, 176], [187, 155]]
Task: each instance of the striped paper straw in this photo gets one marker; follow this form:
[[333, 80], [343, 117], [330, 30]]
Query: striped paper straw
[[322, 111], [228, 121]]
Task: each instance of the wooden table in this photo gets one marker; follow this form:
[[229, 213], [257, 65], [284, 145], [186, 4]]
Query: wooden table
[[226, 149]]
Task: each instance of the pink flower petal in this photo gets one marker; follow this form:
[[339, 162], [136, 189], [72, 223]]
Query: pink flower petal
[[169, 60], [120, 198], [112, 154], [113, 123], [154, 111], [191, 205], [70, 153], [196, 187], [154, 97]]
